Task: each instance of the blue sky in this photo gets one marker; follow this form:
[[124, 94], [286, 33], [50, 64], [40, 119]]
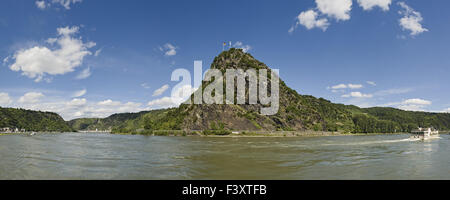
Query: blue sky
[[85, 58]]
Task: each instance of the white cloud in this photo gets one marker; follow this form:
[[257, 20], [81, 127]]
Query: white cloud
[[417, 102], [70, 108], [79, 93], [179, 95], [338, 9], [292, 29], [66, 3], [411, 20], [5, 99], [182, 94], [244, 48], [393, 91], [41, 4], [169, 49], [31, 97], [165, 102], [355, 86], [38, 61], [77, 102], [309, 20], [340, 86], [411, 107], [371, 83], [86, 73], [446, 110], [80, 108], [316, 18], [145, 86], [96, 110], [411, 104], [6, 60], [97, 53], [345, 86], [357, 95], [109, 102], [370, 4], [161, 90]]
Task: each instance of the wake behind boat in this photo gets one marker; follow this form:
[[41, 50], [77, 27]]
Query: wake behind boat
[[425, 134]]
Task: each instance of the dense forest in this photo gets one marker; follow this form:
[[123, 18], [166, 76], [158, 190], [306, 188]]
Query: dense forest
[[103, 124], [32, 120], [390, 120]]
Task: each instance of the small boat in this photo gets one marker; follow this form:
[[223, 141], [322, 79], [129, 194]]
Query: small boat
[[32, 133], [425, 134]]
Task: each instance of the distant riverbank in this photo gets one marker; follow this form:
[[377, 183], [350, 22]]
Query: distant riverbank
[[300, 134], [179, 133], [275, 134]]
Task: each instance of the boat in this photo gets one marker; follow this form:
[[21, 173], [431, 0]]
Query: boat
[[425, 134]]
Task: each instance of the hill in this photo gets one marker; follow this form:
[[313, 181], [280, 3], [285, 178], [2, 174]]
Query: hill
[[296, 112], [103, 123], [32, 120]]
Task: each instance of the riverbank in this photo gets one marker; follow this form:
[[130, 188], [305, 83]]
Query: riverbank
[[249, 134], [29, 133], [243, 134], [13, 133], [297, 134]]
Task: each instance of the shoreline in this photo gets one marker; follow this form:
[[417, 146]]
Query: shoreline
[[292, 136], [280, 134]]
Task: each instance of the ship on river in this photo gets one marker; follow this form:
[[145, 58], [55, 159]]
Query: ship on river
[[425, 134]]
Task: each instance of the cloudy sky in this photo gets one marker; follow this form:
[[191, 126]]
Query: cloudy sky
[[86, 58]]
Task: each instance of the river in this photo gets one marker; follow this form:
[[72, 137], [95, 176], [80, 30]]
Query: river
[[105, 156]]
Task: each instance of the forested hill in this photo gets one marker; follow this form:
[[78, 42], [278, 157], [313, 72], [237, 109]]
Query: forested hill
[[104, 124], [362, 120], [297, 112], [379, 119], [32, 120]]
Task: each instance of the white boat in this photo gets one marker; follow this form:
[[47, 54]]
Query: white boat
[[425, 134]]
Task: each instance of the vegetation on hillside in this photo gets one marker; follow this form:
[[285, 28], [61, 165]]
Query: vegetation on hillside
[[103, 124], [390, 120], [32, 120], [297, 112]]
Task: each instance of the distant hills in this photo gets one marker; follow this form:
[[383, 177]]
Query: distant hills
[[296, 113], [32, 120], [104, 123]]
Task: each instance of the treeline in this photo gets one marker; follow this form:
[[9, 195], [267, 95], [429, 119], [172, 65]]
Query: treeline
[[32, 120], [391, 120], [107, 123]]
